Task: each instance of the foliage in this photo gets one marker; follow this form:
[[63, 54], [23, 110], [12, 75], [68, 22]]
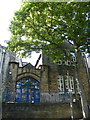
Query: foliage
[[51, 26]]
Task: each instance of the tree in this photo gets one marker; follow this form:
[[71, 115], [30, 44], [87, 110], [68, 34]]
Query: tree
[[43, 26], [50, 26]]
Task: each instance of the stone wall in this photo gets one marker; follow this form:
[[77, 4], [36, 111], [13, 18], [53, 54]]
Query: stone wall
[[54, 70], [45, 110], [52, 73]]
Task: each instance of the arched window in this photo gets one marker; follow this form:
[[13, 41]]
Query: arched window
[[27, 90]]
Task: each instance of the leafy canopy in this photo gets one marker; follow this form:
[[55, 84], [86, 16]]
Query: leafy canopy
[[50, 26]]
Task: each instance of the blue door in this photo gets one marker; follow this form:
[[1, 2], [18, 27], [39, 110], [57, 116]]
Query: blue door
[[27, 90]]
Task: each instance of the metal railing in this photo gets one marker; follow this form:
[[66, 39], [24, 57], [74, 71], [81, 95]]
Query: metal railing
[[45, 97], [54, 97]]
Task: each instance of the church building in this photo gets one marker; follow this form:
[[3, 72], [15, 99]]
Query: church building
[[49, 88]]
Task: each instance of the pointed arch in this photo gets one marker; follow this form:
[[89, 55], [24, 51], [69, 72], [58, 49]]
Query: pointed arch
[[27, 88], [20, 76]]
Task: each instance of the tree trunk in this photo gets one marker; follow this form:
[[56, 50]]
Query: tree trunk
[[83, 83]]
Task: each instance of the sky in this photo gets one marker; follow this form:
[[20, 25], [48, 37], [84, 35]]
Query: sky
[[7, 9]]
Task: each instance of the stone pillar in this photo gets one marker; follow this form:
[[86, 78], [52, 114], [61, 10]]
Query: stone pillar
[[49, 78], [44, 79], [13, 70], [5, 68], [52, 73]]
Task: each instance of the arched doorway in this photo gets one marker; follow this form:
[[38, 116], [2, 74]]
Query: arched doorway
[[27, 90]]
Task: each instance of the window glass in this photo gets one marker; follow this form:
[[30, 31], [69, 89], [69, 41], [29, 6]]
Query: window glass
[[27, 90], [27, 80], [61, 84], [65, 83]]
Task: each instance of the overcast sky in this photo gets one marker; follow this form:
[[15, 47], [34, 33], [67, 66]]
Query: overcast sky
[[7, 9]]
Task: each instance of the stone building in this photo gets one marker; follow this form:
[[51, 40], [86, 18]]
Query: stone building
[[43, 88]]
